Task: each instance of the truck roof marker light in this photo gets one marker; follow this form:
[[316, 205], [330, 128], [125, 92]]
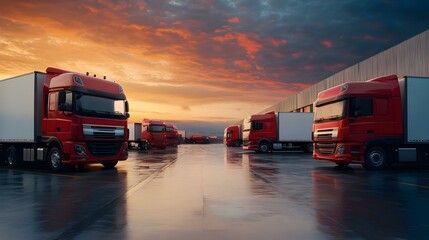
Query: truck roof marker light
[[104, 77], [87, 73], [344, 88], [78, 80]]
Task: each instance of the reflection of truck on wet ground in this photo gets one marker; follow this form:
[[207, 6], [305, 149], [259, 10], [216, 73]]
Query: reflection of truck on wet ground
[[62, 118], [233, 136], [373, 123], [276, 131]]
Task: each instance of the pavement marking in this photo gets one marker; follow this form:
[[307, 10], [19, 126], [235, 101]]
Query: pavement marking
[[44, 173], [414, 185]]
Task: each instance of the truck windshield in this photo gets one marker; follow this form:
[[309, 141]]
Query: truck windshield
[[88, 105], [156, 128], [330, 111]]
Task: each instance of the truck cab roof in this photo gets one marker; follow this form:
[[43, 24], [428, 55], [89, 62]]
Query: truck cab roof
[[381, 86], [63, 79]]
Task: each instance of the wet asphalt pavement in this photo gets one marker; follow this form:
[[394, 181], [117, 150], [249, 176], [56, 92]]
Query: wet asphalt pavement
[[214, 192]]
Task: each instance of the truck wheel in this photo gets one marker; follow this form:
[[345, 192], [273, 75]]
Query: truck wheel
[[54, 159], [110, 164], [236, 144], [13, 157], [308, 148], [264, 147], [375, 159]]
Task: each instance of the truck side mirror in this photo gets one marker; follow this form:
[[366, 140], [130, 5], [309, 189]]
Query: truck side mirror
[[127, 107]]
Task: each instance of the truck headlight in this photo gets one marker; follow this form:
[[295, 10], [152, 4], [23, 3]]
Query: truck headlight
[[79, 149], [341, 149]]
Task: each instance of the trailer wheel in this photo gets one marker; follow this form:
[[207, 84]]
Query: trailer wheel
[[110, 164], [54, 159], [264, 147], [375, 159], [13, 157]]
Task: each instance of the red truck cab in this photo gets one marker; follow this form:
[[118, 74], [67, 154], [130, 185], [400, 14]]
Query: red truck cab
[[358, 122], [154, 133], [233, 136], [85, 118], [172, 134], [257, 128]]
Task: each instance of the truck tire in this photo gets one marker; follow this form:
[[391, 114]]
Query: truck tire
[[264, 147], [110, 164], [375, 158], [13, 157], [54, 159], [236, 144]]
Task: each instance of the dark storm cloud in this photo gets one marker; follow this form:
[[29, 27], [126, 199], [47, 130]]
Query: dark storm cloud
[[323, 37]]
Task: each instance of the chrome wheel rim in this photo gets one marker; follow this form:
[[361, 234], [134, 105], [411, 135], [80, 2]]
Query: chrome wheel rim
[[377, 158], [55, 159], [11, 156]]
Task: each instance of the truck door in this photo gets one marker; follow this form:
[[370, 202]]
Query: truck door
[[59, 122], [362, 122]]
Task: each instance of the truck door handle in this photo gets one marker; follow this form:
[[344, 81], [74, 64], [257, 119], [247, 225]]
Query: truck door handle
[[58, 129], [370, 131]]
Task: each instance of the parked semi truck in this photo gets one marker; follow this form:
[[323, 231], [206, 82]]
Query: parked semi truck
[[62, 118], [233, 136], [373, 123], [172, 134], [275, 131], [154, 134], [199, 139]]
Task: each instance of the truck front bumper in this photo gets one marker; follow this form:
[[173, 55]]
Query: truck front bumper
[[339, 152], [93, 152]]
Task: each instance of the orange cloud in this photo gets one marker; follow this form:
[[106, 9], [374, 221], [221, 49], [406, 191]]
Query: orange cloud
[[243, 64], [327, 43], [248, 42], [180, 32], [309, 67], [296, 54], [218, 61], [234, 20], [276, 42]]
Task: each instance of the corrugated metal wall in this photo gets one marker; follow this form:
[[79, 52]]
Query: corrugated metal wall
[[410, 57]]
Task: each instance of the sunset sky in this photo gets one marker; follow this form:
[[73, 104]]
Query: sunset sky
[[209, 61]]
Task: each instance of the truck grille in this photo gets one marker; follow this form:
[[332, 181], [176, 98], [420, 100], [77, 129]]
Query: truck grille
[[326, 134], [102, 132], [104, 149], [325, 149]]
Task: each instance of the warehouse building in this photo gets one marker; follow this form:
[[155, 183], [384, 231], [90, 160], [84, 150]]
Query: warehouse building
[[409, 58]]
